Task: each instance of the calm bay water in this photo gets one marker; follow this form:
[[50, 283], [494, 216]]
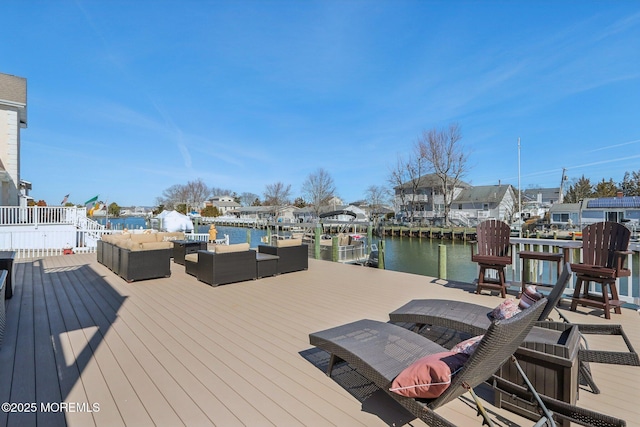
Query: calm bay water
[[417, 256], [410, 255], [420, 256]]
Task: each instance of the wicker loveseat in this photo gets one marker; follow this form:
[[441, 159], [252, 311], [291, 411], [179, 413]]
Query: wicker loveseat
[[138, 256], [294, 256], [228, 264]]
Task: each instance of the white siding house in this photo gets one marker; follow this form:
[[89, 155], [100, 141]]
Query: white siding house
[[13, 117]]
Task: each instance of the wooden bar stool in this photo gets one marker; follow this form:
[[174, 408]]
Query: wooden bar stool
[[604, 251], [493, 254]]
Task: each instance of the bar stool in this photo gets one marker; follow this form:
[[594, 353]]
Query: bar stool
[[493, 254], [604, 250]]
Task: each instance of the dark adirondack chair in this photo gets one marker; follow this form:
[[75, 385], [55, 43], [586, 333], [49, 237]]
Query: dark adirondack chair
[[492, 254], [604, 251]]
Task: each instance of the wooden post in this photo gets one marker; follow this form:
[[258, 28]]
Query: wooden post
[[249, 236], [442, 261], [335, 249], [381, 254], [316, 241], [268, 234], [369, 237]]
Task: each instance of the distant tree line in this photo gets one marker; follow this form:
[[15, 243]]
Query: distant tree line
[[318, 190], [582, 188]]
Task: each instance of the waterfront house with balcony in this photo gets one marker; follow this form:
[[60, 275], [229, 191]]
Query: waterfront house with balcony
[[425, 201]]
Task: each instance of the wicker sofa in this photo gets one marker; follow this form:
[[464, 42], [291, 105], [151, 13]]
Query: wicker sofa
[[294, 256], [228, 264], [138, 256]]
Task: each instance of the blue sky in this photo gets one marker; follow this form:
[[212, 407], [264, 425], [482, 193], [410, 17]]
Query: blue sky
[[127, 98]]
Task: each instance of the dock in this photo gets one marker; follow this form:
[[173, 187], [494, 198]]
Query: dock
[[176, 352]]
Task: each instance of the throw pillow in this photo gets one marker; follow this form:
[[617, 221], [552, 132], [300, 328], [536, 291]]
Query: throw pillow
[[505, 310], [529, 297], [429, 376], [467, 346]]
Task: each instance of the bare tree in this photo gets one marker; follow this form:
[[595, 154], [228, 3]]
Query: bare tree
[[277, 195], [248, 199], [182, 197], [405, 180], [376, 196], [173, 196], [444, 155], [318, 189], [197, 193]]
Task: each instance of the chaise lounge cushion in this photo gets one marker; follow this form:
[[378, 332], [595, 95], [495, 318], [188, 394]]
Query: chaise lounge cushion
[[430, 376]]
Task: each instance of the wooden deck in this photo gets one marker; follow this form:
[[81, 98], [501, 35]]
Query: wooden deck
[[176, 351]]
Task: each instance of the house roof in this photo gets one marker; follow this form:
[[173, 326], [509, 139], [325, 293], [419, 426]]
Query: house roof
[[564, 207], [482, 193], [552, 193], [225, 204]]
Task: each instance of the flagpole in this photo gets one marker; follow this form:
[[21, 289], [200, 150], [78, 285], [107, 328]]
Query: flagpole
[[519, 193]]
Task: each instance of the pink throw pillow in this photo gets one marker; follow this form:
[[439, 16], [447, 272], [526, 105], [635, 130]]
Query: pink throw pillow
[[529, 297], [505, 310], [467, 346], [429, 376]]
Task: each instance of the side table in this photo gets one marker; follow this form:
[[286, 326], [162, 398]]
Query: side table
[[266, 265], [528, 256], [181, 248], [551, 362]]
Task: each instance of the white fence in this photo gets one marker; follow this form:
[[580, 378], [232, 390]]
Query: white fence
[[44, 231], [40, 215]]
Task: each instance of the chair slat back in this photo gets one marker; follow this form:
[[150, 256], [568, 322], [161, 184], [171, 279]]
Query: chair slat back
[[601, 240], [493, 238]]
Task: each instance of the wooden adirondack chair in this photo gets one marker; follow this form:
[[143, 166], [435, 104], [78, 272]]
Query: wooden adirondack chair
[[492, 254], [604, 251]]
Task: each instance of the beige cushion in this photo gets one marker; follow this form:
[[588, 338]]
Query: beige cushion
[[127, 244], [143, 238], [288, 242], [169, 237], [191, 257], [155, 245], [238, 247], [113, 238]]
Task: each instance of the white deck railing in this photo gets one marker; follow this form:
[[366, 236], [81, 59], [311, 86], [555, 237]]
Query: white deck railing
[[46, 231], [39, 215]]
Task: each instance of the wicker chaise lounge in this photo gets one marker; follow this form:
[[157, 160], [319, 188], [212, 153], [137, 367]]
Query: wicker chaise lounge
[[381, 351], [473, 319]]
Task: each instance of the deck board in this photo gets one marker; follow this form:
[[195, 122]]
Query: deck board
[[175, 351]]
